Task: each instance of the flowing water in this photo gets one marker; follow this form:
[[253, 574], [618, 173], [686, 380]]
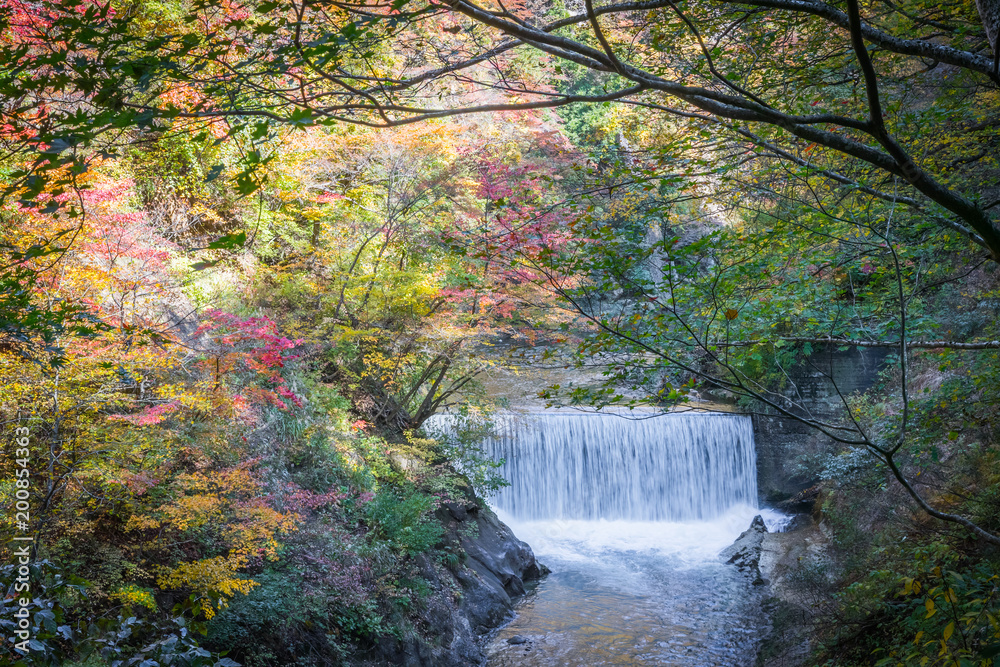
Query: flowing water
[[630, 515]]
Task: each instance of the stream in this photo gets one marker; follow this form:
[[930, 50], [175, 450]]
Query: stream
[[630, 516]]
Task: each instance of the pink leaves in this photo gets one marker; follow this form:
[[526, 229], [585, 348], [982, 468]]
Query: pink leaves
[[506, 240], [251, 330], [149, 416], [255, 345], [141, 482], [287, 393], [452, 295], [301, 500], [518, 219]]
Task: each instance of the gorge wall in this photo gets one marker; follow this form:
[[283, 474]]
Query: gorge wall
[[815, 389]]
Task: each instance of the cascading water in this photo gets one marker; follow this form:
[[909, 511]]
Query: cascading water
[[630, 514], [601, 466]]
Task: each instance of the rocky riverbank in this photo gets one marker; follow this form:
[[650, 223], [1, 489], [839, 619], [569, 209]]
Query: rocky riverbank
[[468, 596], [789, 567]]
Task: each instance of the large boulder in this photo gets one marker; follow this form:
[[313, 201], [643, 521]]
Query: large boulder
[[468, 598], [744, 553]]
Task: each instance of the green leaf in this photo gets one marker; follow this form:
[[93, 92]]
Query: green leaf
[[246, 185], [228, 242], [301, 118], [213, 173], [351, 32], [260, 130]]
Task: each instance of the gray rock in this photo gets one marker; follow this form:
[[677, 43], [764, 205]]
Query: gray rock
[[744, 553], [468, 598], [457, 511], [517, 639]]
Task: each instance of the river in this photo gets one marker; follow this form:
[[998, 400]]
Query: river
[[630, 516]]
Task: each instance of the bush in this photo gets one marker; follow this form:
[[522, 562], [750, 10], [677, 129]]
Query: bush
[[402, 518], [950, 618]]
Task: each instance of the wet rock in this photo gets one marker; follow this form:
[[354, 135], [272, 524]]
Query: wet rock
[[458, 511], [744, 553], [470, 595], [786, 557], [797, 522], [801, 502]]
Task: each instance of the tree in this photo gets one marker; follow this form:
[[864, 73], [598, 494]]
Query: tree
[[237, 71], [856, 104], [384, 256], [883, 96]]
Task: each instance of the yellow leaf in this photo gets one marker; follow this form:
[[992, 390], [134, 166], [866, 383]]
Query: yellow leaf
[[930, 608], [948, 630]]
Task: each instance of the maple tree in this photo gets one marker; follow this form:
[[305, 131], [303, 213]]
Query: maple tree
[[365, 263], [358, 77], [247, 248]]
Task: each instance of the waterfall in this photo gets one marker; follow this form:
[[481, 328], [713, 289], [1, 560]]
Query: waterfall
[[671, 467], [630, 512]]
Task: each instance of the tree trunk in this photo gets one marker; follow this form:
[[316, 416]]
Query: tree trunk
[[989, 12]]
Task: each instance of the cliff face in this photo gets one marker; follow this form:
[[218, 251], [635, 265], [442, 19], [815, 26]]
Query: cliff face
[[814, 389], [469, 596]]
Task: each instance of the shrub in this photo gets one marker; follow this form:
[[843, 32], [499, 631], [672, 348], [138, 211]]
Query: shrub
[[402, 518]]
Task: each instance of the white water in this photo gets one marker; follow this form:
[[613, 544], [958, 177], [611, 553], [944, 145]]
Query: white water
[[685, 543], [631, 515], [595, 466]]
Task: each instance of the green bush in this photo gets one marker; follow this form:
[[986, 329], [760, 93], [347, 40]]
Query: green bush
[[948, 617], [402, 518]]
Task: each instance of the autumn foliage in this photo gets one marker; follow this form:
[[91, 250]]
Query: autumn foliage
[[247, 249]]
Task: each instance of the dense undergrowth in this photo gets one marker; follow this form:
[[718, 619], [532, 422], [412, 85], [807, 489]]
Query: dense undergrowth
[[905, 588], [896, 586], [237, 278], [291, 542]]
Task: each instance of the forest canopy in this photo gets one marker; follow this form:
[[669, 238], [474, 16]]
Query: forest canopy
[[249, 249]]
